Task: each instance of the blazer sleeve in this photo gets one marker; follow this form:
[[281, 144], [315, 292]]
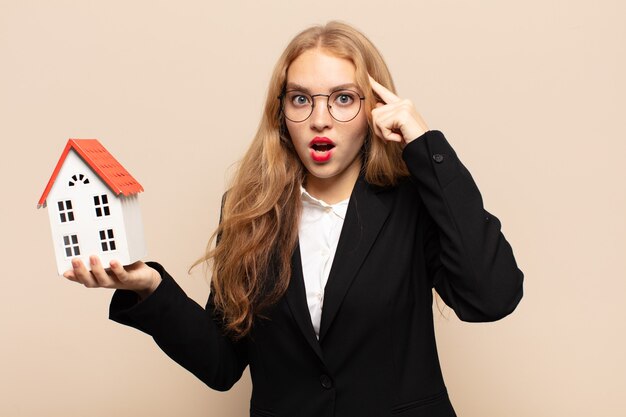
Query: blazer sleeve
[[471, 263], [187, 333]]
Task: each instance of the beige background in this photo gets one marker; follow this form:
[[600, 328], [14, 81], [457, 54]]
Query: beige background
[[531, 94]]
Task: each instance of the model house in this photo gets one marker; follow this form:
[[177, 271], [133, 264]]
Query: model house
[[93, 207]]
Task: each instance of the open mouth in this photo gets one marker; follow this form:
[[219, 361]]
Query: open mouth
[[321, 149]]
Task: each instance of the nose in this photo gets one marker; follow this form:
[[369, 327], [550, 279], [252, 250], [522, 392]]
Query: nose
[[320, 117]]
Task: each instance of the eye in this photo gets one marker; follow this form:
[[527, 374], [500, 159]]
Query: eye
[[344, 98], [299, 99]]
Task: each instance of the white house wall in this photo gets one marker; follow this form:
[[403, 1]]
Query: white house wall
[[133, 226], [86, 224]]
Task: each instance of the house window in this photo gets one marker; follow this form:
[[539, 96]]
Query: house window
[[70, 243], [66, 213], [101, 202], [78, 178], [107, 240]]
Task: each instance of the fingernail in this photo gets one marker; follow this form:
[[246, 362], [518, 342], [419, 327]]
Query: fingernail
[[75, 263]]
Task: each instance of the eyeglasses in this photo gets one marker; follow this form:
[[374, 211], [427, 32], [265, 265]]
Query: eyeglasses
[[343, 105]]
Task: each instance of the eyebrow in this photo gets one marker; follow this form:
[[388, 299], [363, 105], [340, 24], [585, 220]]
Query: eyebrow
[[347, 86]]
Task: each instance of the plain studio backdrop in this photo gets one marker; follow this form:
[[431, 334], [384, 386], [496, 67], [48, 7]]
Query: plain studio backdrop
[[530, 94]]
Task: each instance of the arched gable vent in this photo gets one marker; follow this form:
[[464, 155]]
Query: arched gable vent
[[78, 178]]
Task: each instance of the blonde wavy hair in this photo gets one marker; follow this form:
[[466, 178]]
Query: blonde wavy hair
[[258, 231]]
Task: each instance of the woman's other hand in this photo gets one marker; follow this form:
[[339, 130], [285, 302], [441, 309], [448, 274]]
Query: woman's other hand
[[137, 277], [395, 119]]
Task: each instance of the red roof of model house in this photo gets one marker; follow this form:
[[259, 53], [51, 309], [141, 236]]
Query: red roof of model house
[[102, 163]]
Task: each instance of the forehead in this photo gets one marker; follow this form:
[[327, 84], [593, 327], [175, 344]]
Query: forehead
[[319, 70]]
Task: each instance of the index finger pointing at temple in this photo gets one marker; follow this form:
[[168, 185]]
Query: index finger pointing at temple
[[383, 93]]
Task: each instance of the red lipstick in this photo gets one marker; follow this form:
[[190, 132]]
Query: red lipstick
[[321, 149]]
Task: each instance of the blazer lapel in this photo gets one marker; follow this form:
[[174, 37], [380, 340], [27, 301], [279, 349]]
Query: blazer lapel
[[365, 216], [296, 298]]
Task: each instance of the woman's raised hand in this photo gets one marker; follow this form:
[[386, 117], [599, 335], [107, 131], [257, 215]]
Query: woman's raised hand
[[137, 277], [396, 119]]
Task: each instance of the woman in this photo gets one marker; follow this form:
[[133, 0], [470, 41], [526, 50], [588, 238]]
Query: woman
[[345, 213]]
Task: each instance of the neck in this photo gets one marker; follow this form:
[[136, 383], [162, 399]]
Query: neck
[[334, 189]]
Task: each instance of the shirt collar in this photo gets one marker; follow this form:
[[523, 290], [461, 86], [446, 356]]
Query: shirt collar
[[339, 208]]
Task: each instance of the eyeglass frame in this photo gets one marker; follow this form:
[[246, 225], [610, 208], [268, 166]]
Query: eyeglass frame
[[328, 106]]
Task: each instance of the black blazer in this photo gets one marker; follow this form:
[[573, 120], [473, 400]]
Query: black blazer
[[376, 354]]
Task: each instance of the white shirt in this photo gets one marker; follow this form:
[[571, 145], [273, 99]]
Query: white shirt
[[319, 230]]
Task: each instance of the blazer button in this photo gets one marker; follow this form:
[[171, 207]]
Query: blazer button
[[438, 158], [326, 381]]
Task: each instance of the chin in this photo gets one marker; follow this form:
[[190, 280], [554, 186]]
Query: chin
[[326, 171]]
